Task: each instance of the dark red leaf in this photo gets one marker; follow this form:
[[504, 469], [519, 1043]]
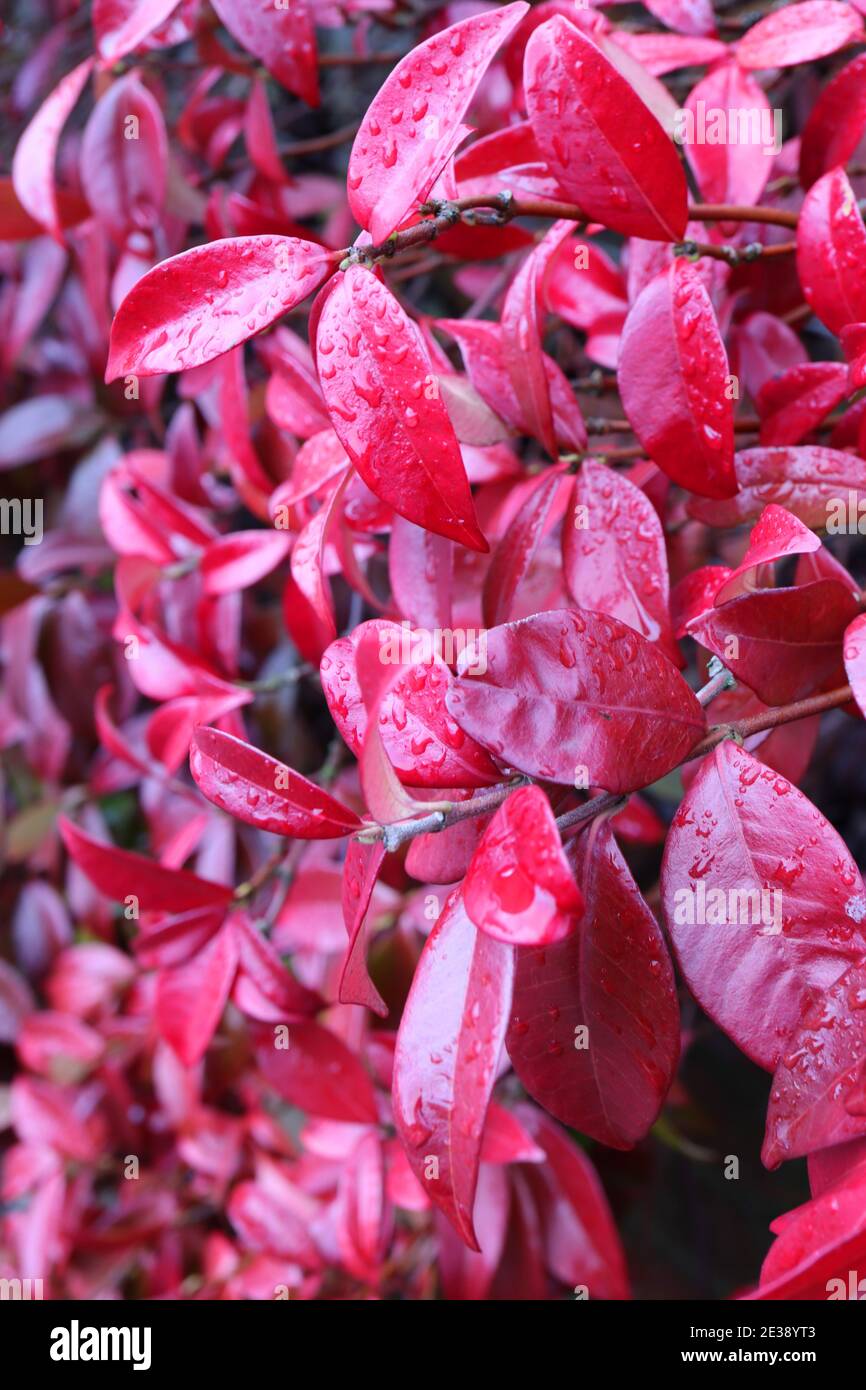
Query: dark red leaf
[[118, 873], [317, 1073]]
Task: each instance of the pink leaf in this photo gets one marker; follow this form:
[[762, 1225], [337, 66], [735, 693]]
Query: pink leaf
[[831, 247], [280, 36], [36, 151], [118, 873], [124, 178], [799, 34], [190, 998]]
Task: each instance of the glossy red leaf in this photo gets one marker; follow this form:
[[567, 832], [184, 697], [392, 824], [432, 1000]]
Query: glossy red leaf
[[317, 1073], [594, 1032], [821, 1241], [831, 247], [602, 143], [735, 169], [741, 831], [783, 643], [124, 166], [195, 306], [448, 1048], [519, 888], [36, 151], [415, 122], [578, 698], [518, 547], [818, 1097], [374, 370], [280, 36], [360, 872], [675, 396], [805, 480], [118, 873], [854, 655], [799, 34], [263, 792], [190, 998], [775, 534], [835, 124], [613, 552], [794, 404], [522, 334]]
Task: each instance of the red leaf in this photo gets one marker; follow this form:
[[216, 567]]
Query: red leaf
[[675, 394], [775, 534], [374, 369], [36, 151], [577, 695], [581, 1238], [360, 872], [125, 178], [594, 1033], [799, 34], [445, 1062], [818, 1097], [794, 404], [805, 480], [118, 873], [195, 306], [122, 25], [280, 36], [263, 792], [737, 170], [835, 123], [744, 831], [820, 1242], [521, 337], [854, 655], [519, 888], [518, 547], [397, 157], [482, 349], [613, 553], [259, 962], [190, 998], [241, 559], [788, 641], [831, 247], [602, 143], [317, 1073]]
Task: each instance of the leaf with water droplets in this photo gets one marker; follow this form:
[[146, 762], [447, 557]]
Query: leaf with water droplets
[[282, 36], [854, 656], [794, 404], [613, 553], [805, 480], [446, 1057], [195, 306], [577, 695], [519, 887], [594, 1032], [784, 644], [263, 792], [818, 1247], [36, 151], [831, 251], [818, 1097], [384, 401], [762, 900], [775, 534], [673, 377], [415, 122], [602, 143], [835, 124], [799, 34]]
